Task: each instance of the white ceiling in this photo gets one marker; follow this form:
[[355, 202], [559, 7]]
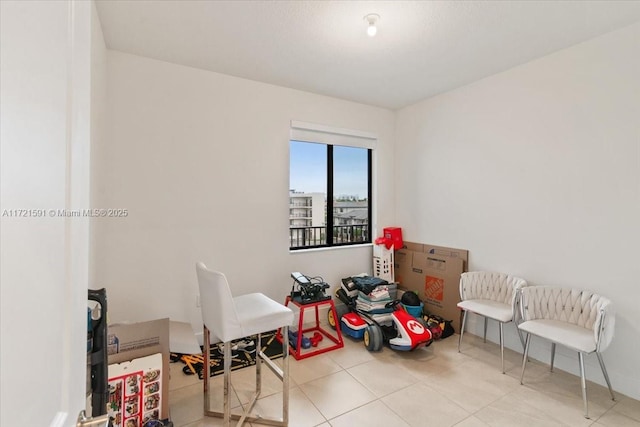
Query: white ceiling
[[422, 47]]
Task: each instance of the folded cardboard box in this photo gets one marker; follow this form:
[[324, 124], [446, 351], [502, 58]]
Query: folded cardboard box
[[433, 272], [135, 391], [139, 359]]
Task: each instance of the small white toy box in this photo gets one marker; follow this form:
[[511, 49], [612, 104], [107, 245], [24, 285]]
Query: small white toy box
[[383, 263]]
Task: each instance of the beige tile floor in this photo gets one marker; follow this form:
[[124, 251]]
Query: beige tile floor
[[433, 386]]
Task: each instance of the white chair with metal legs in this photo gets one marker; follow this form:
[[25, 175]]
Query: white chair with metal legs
[[491, 295], [577, 319], [230, 318]]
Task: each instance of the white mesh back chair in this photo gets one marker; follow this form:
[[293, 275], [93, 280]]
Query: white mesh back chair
[[230, 318], [578, 319], [491, 295]]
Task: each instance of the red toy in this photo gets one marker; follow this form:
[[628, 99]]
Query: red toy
[[315, 339], [392, 237], [399, 329]]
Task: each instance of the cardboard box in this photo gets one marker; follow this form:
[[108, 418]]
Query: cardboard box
[[449, 252], [433, 272], [134, 341], [135, 391], [403, 259]]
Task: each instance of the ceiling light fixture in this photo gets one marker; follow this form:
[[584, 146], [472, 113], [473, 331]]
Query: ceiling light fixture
[[372, 20]]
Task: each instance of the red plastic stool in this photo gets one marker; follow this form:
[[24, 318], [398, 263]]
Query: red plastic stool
[[297, 351]]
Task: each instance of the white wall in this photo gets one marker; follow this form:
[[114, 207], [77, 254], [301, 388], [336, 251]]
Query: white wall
[[536, 171], [45, 168], [201, 161], [99, 95]]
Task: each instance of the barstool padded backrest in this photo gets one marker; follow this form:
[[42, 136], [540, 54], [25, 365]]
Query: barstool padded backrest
[[216, 302]]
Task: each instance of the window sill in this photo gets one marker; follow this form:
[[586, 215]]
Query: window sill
[[329, 248]]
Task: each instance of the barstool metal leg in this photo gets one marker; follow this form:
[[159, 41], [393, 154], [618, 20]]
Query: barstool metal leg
[[285, 375], [282, 374], [205, 368], [258, 364], [227, 374]]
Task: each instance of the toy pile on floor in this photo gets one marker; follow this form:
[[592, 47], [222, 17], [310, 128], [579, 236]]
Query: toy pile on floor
[[375, 303], [374, 296], [439, 327], [243, 354]]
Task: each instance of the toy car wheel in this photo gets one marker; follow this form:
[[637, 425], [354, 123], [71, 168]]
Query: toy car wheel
[[341, 310], [373, 338]]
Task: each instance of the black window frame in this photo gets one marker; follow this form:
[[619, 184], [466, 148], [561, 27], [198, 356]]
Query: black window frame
[[329, 226]]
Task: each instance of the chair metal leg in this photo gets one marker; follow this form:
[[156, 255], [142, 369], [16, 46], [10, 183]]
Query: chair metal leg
[[583, 383], [606, 376], [520, 336], [502, 345], [524, 357], [464, 321], [553, 355], [485, 330]]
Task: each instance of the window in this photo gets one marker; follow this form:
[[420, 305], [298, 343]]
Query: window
[[329, 192]]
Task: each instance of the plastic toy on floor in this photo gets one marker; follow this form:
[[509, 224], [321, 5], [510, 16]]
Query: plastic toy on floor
[[293, 340], [399, 329], [315, 339]]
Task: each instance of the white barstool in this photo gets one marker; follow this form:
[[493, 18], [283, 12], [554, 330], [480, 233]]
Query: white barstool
[[231, 318]]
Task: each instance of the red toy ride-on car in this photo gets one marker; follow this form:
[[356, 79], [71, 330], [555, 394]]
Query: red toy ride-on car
[[399, 329]]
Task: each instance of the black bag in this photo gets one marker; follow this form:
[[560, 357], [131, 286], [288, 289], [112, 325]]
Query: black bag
[[445, 325]]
